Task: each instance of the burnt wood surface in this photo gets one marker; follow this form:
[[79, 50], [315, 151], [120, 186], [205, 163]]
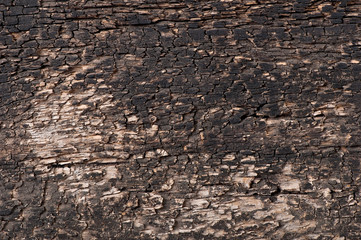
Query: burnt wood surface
[[153, 119]]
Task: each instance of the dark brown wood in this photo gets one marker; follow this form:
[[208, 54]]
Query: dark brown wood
[[147, 119]]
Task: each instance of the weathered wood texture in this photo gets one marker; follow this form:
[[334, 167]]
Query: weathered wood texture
[[141, 119]]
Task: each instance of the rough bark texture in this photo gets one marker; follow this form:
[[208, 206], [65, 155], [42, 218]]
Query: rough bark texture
[[142, 119]]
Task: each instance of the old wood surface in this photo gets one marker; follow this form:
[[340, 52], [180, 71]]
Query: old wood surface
[[150, 119]]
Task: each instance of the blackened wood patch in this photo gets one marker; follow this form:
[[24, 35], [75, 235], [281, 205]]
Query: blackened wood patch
[[152, 119]]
